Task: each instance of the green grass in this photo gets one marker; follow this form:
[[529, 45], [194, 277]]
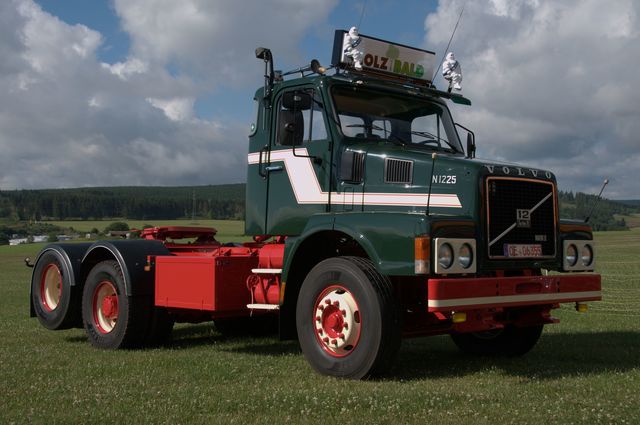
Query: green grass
[[584, 370]]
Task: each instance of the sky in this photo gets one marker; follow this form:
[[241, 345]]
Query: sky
[[159, 92]]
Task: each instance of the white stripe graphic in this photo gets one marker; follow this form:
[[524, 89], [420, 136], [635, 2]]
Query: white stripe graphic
[[307, 190], [551, 297]]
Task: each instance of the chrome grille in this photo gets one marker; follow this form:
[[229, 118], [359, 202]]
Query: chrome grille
[[520, 212]]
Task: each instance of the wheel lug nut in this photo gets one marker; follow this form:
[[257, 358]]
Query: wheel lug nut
[[327, 301], [341, 336], [336, 303], [325, 340], [344, 312], [334, 342], [321, 307], [345, 325], [318, 319], [319, 331]]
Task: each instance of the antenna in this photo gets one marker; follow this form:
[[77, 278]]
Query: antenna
[[364, 5], [193, 206], [606, 182], [448, 44], [433, 162]]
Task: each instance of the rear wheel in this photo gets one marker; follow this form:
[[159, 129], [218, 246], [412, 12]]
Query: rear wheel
[[55, 301], [111, 318], [347, 319], [510, 341]]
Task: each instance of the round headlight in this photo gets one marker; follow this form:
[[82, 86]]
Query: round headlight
[[586, 255], [571, 255], [465, 256], [445, 255]]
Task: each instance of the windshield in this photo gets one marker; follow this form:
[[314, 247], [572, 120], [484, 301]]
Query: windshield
[[401, 119]]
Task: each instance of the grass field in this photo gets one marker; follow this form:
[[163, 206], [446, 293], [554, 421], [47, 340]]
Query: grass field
[[584, 370]]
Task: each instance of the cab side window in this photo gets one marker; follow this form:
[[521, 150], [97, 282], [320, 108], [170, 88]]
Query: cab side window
[[300, 118]]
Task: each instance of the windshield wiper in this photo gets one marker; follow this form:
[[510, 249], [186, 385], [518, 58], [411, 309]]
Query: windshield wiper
[[388, 135], [432, 138]]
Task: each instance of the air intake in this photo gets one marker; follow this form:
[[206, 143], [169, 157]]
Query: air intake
[[352, 167], [398, 171]]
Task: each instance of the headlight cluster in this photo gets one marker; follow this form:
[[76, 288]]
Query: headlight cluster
[[578, 255], [455, 255]]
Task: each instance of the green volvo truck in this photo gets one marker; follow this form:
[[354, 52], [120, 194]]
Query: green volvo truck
[[372, 221]]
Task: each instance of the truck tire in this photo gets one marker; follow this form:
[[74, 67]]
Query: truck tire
[[512, 341], [348, 319], [55, 301], [111, 318]]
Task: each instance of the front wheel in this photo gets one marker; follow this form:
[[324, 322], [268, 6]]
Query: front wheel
[[347, 319], [510, 341]]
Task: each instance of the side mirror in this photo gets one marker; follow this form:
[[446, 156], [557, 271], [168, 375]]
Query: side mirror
[[471, 146], [471, 141]]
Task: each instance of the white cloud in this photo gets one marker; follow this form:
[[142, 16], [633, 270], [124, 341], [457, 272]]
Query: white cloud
[[124, 70], [215, 39], [68, 120], [552, 83], [177, 109]]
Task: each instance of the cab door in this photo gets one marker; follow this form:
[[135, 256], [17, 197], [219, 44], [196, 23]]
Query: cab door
[[299, 161]]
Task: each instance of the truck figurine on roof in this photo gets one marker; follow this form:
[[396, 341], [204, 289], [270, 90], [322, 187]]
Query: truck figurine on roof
[[371, 222]]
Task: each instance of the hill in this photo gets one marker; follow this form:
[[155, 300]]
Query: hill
[[629, 202], [607, 215]]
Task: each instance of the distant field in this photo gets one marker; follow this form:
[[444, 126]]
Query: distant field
[[585, 370], [631, 220]]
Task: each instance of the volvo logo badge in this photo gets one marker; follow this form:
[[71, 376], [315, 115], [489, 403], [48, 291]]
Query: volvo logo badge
[[523, 218]]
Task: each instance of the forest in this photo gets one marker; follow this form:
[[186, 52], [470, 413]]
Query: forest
[[136, 202], [25, 212]]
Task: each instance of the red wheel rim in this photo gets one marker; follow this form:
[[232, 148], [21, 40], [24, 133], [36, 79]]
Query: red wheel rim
[[105, 307], [337, 321], [51, 287]]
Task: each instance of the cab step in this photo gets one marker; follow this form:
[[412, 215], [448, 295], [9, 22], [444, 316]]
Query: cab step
[[263, 306], [266, 271]]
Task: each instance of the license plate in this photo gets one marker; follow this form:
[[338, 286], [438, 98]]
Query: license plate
[[522, 251]]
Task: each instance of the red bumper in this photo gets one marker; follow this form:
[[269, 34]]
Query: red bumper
[[472, 293]]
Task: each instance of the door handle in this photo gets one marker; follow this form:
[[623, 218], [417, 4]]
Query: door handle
[[273, 168], [261, 173]]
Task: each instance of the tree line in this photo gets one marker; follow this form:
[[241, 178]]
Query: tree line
[[216, 202], [602, 214], [140, 203]]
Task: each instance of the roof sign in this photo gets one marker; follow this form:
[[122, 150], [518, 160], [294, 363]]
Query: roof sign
[[374, 56]]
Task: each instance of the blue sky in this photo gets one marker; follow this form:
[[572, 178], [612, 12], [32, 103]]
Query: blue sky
[[158, 92], [98, 15], [384, 19]]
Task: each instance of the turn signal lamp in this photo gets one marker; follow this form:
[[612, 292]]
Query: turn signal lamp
[[582, 307], [422, 254]]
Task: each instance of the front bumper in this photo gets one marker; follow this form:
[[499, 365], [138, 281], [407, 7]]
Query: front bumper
[[459, 294]]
